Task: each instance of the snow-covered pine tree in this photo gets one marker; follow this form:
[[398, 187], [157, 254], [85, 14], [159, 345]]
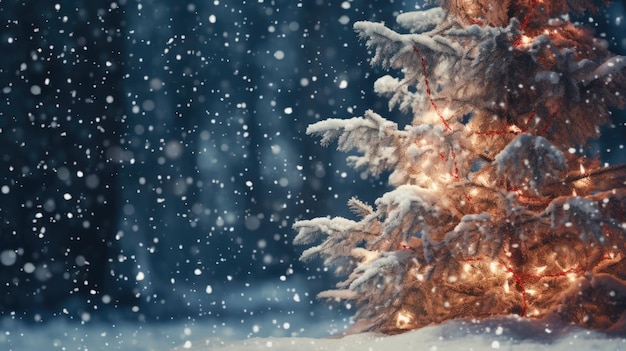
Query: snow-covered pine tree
[[494, 207]]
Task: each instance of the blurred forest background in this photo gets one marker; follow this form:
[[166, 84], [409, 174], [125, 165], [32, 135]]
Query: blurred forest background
[[153, 155]]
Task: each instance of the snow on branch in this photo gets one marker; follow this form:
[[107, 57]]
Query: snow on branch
[[397, 91], [404, 210], [394, 50], [421, 21], [360, 208], [370, 272], [372, 136], [529, 162], [376, 283], [338, 234], [579, 215], [481, 34], [611, 66], [472, 235]]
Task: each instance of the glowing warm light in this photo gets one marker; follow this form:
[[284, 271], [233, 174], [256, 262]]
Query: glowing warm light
[[467, 267], [446, 111], [582, 169], [468, 8], [571, 276], [506, 287], [482, 179], [431, 116], [531, 292], [540, 270], [493, 267], [403, 320], [513, 128], [525, 41]]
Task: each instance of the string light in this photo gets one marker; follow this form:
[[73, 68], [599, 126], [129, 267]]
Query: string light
[[404, 319]]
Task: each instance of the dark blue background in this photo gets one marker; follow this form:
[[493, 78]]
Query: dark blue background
[[153, 155]]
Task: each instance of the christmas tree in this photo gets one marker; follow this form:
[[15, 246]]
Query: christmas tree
[[496, 207]]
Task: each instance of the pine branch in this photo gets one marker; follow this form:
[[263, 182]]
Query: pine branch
[[360, 208], [395, 50], [615, 171], [371, 135], [528, 162], [586, 182]]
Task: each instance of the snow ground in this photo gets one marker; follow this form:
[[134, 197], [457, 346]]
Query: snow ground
[[504, 333]]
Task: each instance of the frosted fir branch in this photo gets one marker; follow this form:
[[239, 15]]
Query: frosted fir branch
[[397, 91], [483, 33], [400, 94], [584, 90], [611, 66], [404, 210], [416, 155], [338, 294], [312, 230], [383, 272], [387, 42], [375, 285], [360, 208], [425, 155], [372, 136], [612, 205], [578, 215], [394, 50], [334, 128], [338, 234], [565, 74], [541, 45], [528, 162], [388, 268], [363, 255], [563, 60], [470, 233]]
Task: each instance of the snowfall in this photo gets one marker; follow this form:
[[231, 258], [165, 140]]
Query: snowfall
[[247, 77]]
